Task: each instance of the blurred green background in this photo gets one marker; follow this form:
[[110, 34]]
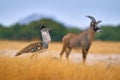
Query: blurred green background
[[31, 31]]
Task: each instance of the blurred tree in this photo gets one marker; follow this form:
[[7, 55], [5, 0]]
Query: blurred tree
[[109, 33], [31, 31]]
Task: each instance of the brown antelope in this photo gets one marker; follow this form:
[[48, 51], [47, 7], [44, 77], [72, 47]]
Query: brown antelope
[[83, 40]]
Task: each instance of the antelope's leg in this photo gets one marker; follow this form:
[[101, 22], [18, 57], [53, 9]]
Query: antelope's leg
[[61, 53], [68, 53], [84, 54]]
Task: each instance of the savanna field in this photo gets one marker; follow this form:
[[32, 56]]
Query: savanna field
[[48, 66]]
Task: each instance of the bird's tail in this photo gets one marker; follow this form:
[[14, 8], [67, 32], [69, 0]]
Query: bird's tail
[[18, 53], [33, 47]]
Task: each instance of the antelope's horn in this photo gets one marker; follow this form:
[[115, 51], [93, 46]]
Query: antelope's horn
[[92, 18]]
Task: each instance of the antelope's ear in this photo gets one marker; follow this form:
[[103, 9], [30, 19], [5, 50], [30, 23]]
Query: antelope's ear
[[99, 22]]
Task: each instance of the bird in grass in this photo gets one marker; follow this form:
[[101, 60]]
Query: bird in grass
[[38, 46]]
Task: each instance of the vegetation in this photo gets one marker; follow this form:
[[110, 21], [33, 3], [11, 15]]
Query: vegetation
[[47, 65], [109, 33], [48, 68], [102, 47], [31, 31]]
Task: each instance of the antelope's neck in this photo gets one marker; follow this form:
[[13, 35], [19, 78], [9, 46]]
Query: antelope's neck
[[90, 34]]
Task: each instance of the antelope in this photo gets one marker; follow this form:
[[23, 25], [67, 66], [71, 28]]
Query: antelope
[[38, 46], [83, 41]]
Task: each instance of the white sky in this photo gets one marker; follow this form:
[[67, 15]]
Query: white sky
[[69, 12]]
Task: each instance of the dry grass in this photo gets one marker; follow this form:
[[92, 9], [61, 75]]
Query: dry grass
[[47, 68], [97, 46], [105, 47]]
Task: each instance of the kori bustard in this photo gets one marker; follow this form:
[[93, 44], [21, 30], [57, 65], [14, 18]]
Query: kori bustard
[[37, 46]]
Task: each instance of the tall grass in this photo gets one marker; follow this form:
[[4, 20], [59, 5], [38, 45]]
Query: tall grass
[[47, 68]]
